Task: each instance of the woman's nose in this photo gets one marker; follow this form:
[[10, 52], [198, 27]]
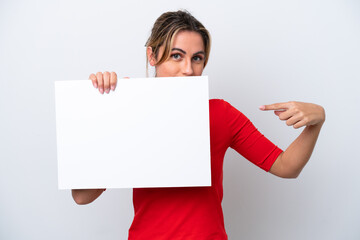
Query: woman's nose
[[187, 68]]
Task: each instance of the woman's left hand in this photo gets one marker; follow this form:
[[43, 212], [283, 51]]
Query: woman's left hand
[[298, 114]]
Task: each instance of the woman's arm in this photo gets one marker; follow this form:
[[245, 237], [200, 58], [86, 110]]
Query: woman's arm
[[85, 196], [290, 163], [104, 82]]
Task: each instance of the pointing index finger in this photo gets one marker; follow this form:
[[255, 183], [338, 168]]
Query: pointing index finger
[[275, 106]]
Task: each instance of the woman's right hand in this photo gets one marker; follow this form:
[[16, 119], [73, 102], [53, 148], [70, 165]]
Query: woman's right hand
[[104, 81]]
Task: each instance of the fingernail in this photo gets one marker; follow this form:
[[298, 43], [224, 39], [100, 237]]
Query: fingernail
[[95, 84], [107, 90], [101, 90], [113, 88], [262, 107]]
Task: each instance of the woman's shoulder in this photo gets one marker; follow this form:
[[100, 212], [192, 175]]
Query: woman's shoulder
[[218, 103], [221, 106]]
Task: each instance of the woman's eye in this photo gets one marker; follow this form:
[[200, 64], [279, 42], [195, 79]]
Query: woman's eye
[[176, 56], [197, 58]]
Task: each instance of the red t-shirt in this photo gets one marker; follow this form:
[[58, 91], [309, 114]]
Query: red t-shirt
[[196, 212]]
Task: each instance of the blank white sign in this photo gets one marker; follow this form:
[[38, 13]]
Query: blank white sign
[[149, 132]]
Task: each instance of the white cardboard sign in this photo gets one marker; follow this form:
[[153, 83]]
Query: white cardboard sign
[[149, 132]]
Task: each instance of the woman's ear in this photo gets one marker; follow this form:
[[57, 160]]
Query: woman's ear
[[150, 56]]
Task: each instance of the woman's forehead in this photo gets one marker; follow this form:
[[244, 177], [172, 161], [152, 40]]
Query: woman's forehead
[[188, 39]]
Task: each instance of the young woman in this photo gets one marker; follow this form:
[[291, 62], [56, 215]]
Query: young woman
[[179, 45]]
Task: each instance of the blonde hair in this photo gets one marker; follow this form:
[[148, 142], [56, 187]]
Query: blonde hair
[[165, 29]]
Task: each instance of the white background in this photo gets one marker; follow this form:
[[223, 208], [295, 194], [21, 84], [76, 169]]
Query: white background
[[262, 52]]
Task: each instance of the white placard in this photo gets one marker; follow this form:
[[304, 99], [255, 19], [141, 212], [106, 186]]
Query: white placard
[[149, 132]]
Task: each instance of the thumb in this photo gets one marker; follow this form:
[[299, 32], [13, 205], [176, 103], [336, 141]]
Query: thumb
[[278, 112]]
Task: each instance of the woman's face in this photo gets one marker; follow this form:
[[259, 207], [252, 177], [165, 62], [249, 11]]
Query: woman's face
[[187, 56]]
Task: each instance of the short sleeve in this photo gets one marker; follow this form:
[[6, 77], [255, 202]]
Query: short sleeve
[[248, 141]]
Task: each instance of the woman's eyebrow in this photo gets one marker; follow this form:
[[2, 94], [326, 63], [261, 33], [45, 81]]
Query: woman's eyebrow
[[199, 52], [180, 50]]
